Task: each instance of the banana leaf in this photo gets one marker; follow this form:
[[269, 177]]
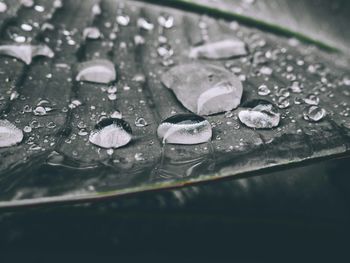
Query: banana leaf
[[55, 162]]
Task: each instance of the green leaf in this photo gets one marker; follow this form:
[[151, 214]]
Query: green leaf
[[56, 163]]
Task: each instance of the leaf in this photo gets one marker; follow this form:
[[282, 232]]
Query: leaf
[[57, 163]]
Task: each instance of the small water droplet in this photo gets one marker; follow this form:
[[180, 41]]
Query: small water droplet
[[98, 71], [139, 157], [263, 90], [185, 129], [9, 134], [259, 114], [314, 113], [26, 27], [39, 111], [123, 20], [166, 21], [91, 33], [39, 8], [227, 48], [311, 99], [27, 3], [116, 115], [111, 133], [144, 24], [140, 122]]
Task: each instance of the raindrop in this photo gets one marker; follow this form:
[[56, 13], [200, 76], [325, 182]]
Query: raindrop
[[39, 8], [39, 111], [98, 71], [116, 115], [204, 89], [27, 129], [112, 96], [139, 157], [263, 90], [26, 27], [311, 99], [3, 7], [139, 40], [96, 9], [123, 20], [221, 49], [140, 122], [25, 52], [283, 102], [165, 50], [314, 113], [266, 70], [74, 104], [144, 24], [111, 133], [185, 129], [91, 33], [9, 134], [259, 114], [166, 21], [27, 3]]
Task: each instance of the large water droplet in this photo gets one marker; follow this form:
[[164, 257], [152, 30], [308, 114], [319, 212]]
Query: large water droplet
[[185, 129], [111, 133], [204, 89], [98, 71], [314, 113], [259, 114], [26, 52], [221, 49], [9, 134]]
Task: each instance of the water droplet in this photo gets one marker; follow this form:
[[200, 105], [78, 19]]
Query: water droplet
[[39, 111], [9, 134], [116, 115], [311, 99], [3, 7], [185, 129], [314, 113], [111, 133], [91, 33], [166, 21], [144, 24], [96, 9], [123, 20], [25, 52], [39, 8], [263, 90], [74, 104], [26, 27], [283, 102], [204, 89], [139, 40], [139, 157], [260, 114], [98, 71], [27, 129], [266, 70], [27, 3], [140, 122], [112, 96], [221, 49], [165, 50]]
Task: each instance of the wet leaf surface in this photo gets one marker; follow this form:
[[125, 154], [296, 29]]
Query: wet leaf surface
[[56, 161]]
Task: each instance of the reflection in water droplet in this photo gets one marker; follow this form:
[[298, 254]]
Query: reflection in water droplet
[[221, 49], [314, 113], [260, 114], [185, 129], [25, 52], [98, 71], [111, 133], [9, 134]]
